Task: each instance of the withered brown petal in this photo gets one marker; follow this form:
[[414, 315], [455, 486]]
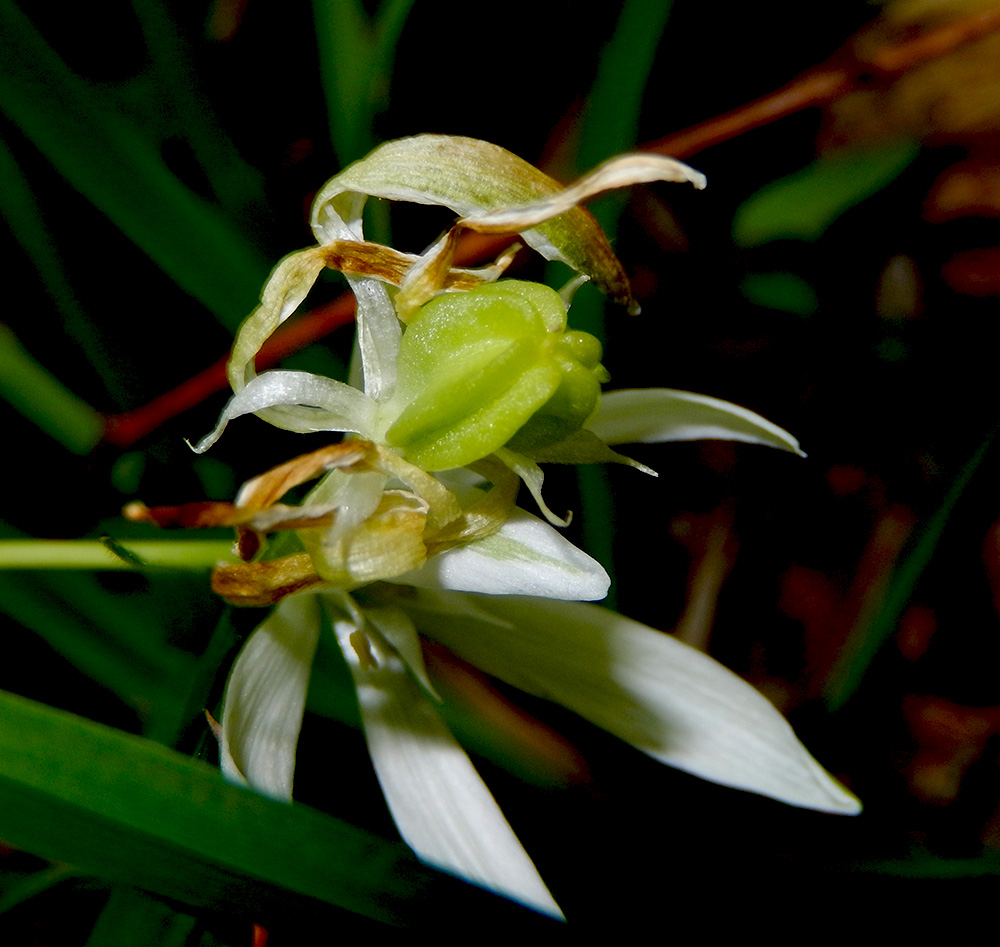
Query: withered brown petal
[[264, 583], [267, 488], [202, 514]]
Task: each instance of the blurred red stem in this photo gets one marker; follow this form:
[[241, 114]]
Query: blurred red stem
[[844, 71], [847, 69]]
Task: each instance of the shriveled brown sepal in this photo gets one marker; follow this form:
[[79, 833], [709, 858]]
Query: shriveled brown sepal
[[264, 583]]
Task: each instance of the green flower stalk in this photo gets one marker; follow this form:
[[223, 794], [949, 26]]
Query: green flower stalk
[[466, 383]]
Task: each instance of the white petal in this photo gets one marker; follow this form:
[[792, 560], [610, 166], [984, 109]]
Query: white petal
[[649, 415], [378, 331], [442, 808], [524, 557], [399, 631], [298, 401], [378, 336], [265, 698], [669, 700]]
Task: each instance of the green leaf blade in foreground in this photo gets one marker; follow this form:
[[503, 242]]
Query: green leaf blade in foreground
[[129, 810], [802, 205]]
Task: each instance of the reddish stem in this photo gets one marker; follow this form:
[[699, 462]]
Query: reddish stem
[[844, 71]]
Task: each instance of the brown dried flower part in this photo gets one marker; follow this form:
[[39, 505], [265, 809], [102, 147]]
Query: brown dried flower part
[[400, 530], [256, 511], [262, 584]]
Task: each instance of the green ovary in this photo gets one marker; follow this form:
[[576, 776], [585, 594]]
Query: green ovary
[[481, 369]]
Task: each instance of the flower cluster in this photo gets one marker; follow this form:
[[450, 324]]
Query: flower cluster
[[465, 384]]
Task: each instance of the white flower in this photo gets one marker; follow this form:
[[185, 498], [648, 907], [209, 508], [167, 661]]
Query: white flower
[[499, 587], [667, 699]]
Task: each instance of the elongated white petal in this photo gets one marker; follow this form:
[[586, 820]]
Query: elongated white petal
[[524, 557], [265, 698], [378, 337], [399, 631], [441, 807], [298, 401], [649, 415], [669, 700]]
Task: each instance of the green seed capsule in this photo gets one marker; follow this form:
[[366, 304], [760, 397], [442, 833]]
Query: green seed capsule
[[483, 368]]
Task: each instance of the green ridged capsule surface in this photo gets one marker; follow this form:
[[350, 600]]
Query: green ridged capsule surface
[[481, 369]]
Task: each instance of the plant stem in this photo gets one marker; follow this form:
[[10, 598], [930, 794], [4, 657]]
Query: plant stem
[[179, 555]]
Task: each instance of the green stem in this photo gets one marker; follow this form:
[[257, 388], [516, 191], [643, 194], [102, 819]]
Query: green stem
[[179, 555]]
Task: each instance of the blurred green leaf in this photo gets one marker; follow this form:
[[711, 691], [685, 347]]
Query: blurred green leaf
[[610, 125], [185, 113], [785, 292], [802, 205], [356, 56], [128, 810], [867, 637], [122, 173], [14, 892], [44, 400], [133, 917], [118, 641], [933, 866], [24, 215]]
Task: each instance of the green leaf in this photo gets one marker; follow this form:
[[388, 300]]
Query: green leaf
[[104, 157], [933, 866], [44, 400], [14, 892], [133, 917], [129, 810], [868, 636], [106, 637], [610, 125], [802, 205], [21, 209], [356, 58], [784, 292]]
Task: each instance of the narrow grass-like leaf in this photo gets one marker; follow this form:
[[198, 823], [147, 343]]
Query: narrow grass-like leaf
[[121, 648], [122, 174], [126, 809], [802, 205], [611, 119], [14, 893], [133, 917], [44, 400], [610, 125], [356, 58], [186, 112], [861, 647], [21, 209], [933, 866]]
